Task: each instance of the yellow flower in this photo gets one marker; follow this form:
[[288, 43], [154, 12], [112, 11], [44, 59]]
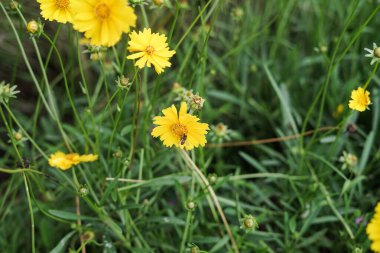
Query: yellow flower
[[359, 100], [59, 10], [103, 21], [151, 48], [373, 230], [64, 161], [181, 130]]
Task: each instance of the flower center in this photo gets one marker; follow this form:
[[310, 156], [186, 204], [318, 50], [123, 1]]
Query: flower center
[[102, 11], [376, 52], [179, 130], [149, 50], [363, 100], [62, 4]]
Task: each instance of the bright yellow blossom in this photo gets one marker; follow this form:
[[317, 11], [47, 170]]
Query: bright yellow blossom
[[103, 21], [151, 48], [181, 130], [373, 230], [64, 161], [359, 100], [59, 10]]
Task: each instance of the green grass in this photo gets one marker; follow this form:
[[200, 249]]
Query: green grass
[[279, 69]]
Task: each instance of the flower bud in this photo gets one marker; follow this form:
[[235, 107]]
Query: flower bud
[[376, 52], [249, 223], [17, 135], [13, 6], [212, 178], [83, 191], [190, 205], [32, 27]]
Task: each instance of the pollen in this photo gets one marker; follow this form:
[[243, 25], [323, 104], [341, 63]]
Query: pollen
[[102, 11], [62, 4], [149, 50], [179, 130]]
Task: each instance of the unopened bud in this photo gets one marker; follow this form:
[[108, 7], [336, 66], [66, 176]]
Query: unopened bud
[[32, 27]]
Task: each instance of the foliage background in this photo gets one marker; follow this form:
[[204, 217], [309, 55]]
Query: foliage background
[[260, 74]]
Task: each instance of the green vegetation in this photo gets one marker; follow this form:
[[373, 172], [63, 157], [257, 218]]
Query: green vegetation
[[273, 71]]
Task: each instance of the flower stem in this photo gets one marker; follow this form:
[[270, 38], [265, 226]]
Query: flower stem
[[204, 180]]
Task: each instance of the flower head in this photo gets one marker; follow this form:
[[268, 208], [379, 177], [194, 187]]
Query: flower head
[[151, 48], [373, 230], [374, 53], [181, 130], [64, 161], [7, 91], [249, 223], [59, 10], [103, 21], [359, 100]]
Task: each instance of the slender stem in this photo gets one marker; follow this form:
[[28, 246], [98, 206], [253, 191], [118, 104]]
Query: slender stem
[[271, 140], [204, 180], [31, 212], [371, 76]]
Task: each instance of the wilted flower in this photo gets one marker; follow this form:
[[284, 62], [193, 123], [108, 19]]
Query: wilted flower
[[196, 102], [349, 160], [374, 53], [7, 91]]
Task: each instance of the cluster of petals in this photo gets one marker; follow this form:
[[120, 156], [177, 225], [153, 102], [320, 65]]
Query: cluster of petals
[[64, 161], [101, 21], [180, 129]]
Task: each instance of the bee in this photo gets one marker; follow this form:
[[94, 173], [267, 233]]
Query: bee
[[183, 139]]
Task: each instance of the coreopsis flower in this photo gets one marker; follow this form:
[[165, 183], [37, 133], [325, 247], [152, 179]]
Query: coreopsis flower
[[359, 100], [373, 53], [104, 21], [59, 10], [181, 130], [64, 161], [151, 49], [373, 230]]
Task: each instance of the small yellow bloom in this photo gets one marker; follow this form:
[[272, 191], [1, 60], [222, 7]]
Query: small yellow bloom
[[59, 10], [103, 21], [359, 100], [64, 161], [151, 48], [373, 230], [181, 130]]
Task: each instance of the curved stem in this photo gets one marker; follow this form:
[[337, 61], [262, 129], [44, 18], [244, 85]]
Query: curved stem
[[204, 180]]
